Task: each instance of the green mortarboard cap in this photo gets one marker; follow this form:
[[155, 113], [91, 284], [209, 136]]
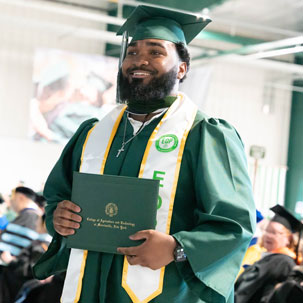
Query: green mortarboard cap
[[284, 217], [148, 22]]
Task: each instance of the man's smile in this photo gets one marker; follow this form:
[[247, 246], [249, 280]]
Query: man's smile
[[139, 74]]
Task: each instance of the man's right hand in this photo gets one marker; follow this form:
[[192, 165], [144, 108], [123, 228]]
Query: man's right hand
[[65, 218]]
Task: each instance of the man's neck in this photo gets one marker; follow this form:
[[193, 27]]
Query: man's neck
[[145, 117]]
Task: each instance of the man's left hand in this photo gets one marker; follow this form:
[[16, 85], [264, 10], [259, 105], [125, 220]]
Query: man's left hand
[[156, 251]]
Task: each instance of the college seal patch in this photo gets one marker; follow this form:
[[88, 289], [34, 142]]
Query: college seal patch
[[111, 209]]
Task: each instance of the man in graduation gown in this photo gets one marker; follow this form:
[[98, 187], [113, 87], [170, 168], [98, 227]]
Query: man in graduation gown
[[213, 215]]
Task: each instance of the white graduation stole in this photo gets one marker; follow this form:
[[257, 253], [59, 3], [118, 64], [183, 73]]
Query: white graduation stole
[[161, 161]]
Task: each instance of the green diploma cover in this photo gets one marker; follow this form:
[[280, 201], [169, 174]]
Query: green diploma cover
[[112, 209]]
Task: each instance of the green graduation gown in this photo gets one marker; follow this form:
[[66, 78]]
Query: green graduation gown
[[213, 216]]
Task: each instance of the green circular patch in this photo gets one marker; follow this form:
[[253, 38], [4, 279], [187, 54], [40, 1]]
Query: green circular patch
[[167, 143]]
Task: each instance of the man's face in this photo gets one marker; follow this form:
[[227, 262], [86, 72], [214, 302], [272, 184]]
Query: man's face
[[150, 70]]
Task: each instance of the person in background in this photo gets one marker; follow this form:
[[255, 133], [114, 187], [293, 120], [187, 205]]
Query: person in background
[[206, 214], [256, 283], [3, 209], [20, 232], [255, 248], [291, 290], [7, 214], [19, 270], [279, 235], [41, 202]]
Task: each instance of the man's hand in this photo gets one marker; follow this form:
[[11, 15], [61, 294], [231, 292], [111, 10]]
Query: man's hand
[[65, 220], [157, 250]]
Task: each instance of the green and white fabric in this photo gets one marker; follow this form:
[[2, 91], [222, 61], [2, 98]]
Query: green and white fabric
[[213, 216]]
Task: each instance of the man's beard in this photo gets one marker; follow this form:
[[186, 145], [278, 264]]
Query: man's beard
[[138, 92]]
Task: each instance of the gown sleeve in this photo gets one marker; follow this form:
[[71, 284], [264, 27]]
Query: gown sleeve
[[58, 187], [225, 214]]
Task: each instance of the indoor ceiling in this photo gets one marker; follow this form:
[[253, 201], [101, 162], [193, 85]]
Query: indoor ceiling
[[241, 29]]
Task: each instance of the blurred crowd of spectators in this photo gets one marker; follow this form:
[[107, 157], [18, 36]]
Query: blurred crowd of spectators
[[272, 268], [23, 240]]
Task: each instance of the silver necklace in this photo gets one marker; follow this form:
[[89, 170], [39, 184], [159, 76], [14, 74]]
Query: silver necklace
[[131, 138]]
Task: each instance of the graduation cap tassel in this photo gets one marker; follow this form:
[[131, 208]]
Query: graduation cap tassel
[[121, 58], [123, 48]]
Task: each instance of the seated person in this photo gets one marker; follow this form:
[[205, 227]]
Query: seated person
[[19, 270], [3, 218], [41, 202], [291, 290], [259, 279], [255, 248], [20, 232], [45, 291]]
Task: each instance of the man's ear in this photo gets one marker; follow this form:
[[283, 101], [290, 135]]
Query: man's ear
[[182, 70]]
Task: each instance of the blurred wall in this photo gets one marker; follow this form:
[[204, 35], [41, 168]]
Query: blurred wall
[[240, 94], [21, 158], [246, 96]]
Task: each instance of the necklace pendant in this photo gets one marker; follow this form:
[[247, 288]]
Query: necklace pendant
[[120, 151]]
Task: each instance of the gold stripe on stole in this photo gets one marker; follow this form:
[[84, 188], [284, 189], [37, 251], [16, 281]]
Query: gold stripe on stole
[[177, 171], [111, 138], [172, 199], [79, 286], [113, 133]]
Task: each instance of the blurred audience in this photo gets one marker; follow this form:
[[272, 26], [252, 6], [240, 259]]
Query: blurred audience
[[41, 202], [19, 270], [269, 274], [23, 241], [42, 291], [255, 248], [6, 212], [259, 280], [290, 290], [20, 232]]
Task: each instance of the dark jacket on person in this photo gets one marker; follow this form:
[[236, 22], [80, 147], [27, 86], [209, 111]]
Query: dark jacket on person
[[17, 272], [290, 290], [258, 280], [20, 233]]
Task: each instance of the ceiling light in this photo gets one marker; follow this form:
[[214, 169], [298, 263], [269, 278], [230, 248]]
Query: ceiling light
[[275, 53]]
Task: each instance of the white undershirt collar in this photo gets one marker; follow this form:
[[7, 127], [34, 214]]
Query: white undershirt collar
[[137, 124]]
